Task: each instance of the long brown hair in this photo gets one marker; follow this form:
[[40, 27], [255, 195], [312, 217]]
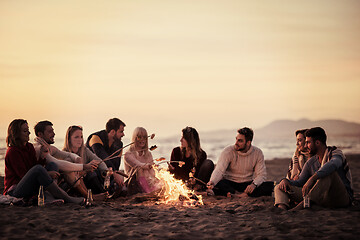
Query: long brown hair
[[192, 138], [67, 145], [14, 130]]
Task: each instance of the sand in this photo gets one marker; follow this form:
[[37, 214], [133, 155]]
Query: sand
[[219, 218]]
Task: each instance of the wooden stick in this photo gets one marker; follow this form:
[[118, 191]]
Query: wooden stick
[[200, 180], [108, 158], [111, 157], [121, 173], [132, 175]]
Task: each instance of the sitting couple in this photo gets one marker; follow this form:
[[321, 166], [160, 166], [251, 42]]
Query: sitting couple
[[325, 179]]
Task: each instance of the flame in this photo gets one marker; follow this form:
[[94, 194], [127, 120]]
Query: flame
[[175, 191]]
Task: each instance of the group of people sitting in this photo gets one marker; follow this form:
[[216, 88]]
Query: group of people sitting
[[316, 171]]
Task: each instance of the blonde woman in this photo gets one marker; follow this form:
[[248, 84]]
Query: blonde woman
[[138, 163]]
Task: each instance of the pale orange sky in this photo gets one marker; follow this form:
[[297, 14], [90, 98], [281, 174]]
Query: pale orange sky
[[165, 65]]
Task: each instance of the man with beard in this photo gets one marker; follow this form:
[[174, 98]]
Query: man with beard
[[325, 179], [45, 138], [107, 144], [240, 168]]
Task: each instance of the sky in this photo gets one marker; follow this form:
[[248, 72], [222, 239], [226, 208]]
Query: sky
[[165, 65]]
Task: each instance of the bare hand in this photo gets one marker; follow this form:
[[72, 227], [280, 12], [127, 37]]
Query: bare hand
[[309, 185], [95, 163], [54, 174], [171, 167], [91, 166], [78, 160], [43, 152], [284, 185], [119, 180], [192, 181], [210, 185], [296, 177], [149, 165], [250, 188]]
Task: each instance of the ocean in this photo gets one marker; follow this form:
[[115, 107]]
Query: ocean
[[272, 149]]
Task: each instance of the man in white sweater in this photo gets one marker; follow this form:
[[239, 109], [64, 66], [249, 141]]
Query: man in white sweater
[[240, 168]]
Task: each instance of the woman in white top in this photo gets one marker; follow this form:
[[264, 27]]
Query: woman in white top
[[138, 164]]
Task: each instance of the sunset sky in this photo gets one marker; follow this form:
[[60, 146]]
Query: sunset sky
[[165, 65]]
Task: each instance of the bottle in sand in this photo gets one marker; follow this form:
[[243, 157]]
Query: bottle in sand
[[273, 192], [306, 201], [89, 199], [107, 180], [41, 197]]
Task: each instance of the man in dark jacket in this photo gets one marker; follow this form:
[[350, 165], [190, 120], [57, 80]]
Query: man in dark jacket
[[107, 143]]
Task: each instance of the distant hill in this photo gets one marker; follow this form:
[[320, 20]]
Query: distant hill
[[287, 128]]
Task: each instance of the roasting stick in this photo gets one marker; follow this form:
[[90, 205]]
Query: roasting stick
[[112, 157], [181, 163], [119, 150]]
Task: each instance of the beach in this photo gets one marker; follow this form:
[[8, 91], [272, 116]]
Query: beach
[[219, 218]]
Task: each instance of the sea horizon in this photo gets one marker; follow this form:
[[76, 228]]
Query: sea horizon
[[272, 148]]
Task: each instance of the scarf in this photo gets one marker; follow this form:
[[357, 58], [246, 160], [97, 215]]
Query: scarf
[[329, 153]]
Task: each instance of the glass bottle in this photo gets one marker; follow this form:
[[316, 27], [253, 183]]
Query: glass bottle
[[89, 198], [107, 180], [273, 192], [41, 197], [306, 201]]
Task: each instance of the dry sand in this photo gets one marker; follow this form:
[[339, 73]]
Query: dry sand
[[219, 218]]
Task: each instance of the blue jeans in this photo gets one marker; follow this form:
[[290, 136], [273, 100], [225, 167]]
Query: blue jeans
[[30, 183]]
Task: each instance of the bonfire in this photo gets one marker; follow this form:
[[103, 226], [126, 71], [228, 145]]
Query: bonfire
[[174, 191]]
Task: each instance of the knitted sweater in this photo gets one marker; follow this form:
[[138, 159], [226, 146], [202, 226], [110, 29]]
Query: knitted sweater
[[135, 164], [64, 160], [134, 161], [296, 164], [240, 167], [87, 157], [18, 161]]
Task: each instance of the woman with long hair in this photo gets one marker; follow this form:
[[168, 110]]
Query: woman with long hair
[[190, 159], [138, 163], [300, 157], [74, 143], [24, 173]]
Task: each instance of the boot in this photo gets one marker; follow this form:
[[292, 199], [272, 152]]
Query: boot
[[58, 193]]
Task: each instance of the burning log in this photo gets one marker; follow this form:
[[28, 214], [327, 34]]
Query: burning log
[[175, 191]]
